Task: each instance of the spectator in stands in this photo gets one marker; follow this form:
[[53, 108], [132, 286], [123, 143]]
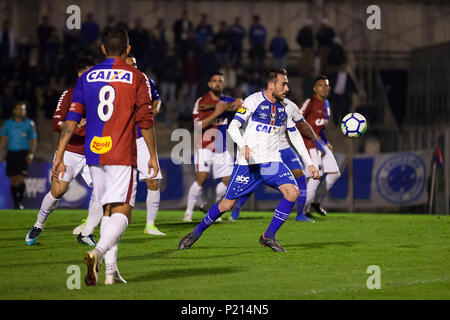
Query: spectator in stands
[[90, 32], [237, 35], [190, 77], [305, 39], [337, 60], [229, 74], [50, 99], [305, 36], [279, 49], [139, 42], [7, 42], [162, 44], [341, 94], [7, 100], [51, 53], [209, 64], [324, 36], [222, 43], [169, 73], [257, 36], [110, 23], [181, 29], [43, 33], [204, 31]]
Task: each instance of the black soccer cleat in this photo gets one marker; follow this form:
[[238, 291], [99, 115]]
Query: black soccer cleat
[[88, 240], [319, 209], [187, 241], [309, 216], [271, 243]]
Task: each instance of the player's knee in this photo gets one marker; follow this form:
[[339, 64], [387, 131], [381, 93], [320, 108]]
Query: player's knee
[[152, 185], [292, 194], [226, 205]]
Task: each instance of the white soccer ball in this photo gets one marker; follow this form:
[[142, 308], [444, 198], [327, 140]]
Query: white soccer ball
[[353, 125]]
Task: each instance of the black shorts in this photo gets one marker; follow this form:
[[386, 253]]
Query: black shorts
[[16, 163]]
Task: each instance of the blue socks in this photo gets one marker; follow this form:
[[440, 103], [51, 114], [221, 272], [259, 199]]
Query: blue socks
[[237, 207], [281, 214], [210, 217], [301, 182]]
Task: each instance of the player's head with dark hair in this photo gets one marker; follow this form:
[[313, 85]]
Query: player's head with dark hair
[[321, 87], [216, 83], [276, 82], [20, 110], [116, 43], [84, 63], [131, 60]]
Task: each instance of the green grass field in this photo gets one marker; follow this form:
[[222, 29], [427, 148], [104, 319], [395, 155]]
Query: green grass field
[[325, 260]]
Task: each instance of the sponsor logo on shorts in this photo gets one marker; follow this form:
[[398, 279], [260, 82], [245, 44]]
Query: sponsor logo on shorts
[[242, 179], [101, 145], [110, 75]]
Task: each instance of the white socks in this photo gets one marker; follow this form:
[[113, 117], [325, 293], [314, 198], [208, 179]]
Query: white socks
[[111, 230], [311, 188], [330, 180], [94, 217], [194, 193], [221, 188], [153, 198], [48, 205]]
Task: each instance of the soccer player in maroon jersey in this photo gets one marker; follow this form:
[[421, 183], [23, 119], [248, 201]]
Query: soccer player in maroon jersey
[[76, 164], [212, 113], [115, 97], [316, 112]]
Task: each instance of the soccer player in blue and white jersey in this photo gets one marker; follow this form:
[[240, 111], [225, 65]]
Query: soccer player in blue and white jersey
[[263, 113], [293, 162]]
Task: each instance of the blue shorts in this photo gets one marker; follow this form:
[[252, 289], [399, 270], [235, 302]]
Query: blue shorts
[[245, 179], [291, 159]]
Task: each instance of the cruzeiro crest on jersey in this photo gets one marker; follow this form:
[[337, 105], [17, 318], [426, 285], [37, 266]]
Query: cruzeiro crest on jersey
[[270, 116], [110, 75]]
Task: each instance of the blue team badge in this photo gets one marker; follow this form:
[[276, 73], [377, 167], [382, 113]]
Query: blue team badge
[[401, 179]]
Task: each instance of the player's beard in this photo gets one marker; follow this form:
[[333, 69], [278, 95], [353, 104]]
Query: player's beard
[[217, 92]]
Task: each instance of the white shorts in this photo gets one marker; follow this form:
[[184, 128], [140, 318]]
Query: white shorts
[[75, 164], [327, 164], [143, 157], [114, 184], [222, 163]]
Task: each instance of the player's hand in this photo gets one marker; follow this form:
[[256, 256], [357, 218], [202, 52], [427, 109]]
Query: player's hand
[[314, 172], [221, 106], [204, 107], [29, 158], [153, 164], [236, 104], [58, 169], [82, 123], [245, 152]]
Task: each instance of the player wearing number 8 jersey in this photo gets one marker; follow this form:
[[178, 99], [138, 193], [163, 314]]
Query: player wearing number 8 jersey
[[115, 97]]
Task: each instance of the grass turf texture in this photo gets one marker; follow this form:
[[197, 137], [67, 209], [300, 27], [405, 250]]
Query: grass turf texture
[[325, 260]]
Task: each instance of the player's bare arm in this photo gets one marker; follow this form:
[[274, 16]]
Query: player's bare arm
[[219, 109], [66, 133], [234, 106], [156, 104], [33, 146], [149, 136]]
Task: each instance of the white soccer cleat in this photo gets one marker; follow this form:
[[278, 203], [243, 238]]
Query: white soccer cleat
[[79, 228], [153, 230], [187, 217], [114, 278], [219, 219]]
